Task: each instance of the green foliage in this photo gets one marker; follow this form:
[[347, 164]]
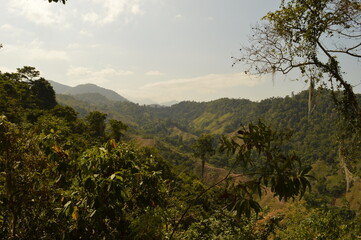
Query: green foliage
[[221, 226], [43, 93], [65, 112], [116, 129], [203, 147], [301, 223], [312, 139], [109, 192], [300, 35], [28, 74], [259, 150], [27, 196], [61, 179], [14, 97], [24, 95], [149, 225], [117, 184], [96, 122]]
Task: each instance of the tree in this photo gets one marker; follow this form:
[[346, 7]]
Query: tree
[[96, 121], [27, 193], [312, 35], [66, 112], [117, 196], [204, 147], [262, 154], [62, 1], [28, 74], [309, 35], [15, 97], [266, 163], [117, 128], [43, 93]]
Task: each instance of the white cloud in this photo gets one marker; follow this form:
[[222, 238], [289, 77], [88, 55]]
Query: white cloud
[[85, 33], [6, 69], [154, 73], [135, 9], [178, 16], [7, 27], [107, 11], [11, 30], [49, 55], [82, 47], [73, 46], [88, 75], [35, 51], [37, 11], [197, 88], [91, 17], [211, 82]]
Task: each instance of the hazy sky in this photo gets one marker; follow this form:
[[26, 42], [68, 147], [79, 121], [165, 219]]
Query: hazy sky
[[161, 50]]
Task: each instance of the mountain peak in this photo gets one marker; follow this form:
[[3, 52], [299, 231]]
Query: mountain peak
[[86, 89]]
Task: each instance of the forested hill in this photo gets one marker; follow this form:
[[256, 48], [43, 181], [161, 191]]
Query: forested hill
[[87, 90], [223, 116], [145, 172], [220, 116], [175, 128]]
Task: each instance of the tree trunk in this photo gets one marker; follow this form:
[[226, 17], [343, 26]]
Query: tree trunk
[[310, 97], [203, 163], [343, 163]]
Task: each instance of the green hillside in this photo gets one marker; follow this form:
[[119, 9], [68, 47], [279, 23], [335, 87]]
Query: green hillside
[[312, 138], [87, 89], [78, 169]]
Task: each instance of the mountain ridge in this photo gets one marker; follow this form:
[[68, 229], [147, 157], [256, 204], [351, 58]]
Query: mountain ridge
[[87, 89]]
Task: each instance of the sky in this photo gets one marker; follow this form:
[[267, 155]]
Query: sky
[[148, 51]]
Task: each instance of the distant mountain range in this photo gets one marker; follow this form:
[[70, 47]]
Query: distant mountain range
[[86, 90]]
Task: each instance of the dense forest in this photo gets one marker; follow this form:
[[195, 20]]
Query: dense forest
[[87, 166], [135, 172]]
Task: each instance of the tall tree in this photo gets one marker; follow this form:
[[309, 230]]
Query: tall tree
[[309, 35], [28, 73], [26, 186], [96, 121], [43, 93], [203, 148], [117, 128], [261, 153]]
